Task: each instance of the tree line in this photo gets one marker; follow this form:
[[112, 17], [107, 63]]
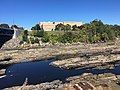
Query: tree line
[[4, 25], [93, 32]]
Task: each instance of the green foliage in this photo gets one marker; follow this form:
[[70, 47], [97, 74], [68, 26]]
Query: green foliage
[[67, 37], [93, 32], [32, 40], [36, 27], [97, 31], [25, 36], [74, 27], [37, 33], [36, 40], [45, 38], [71, 37], [54, 38], [67, 27], [4, 25], [16, 27], [62, 27]]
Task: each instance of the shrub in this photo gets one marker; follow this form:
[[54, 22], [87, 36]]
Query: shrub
[[25, 36], [45, 38], [32, 41], [36, 40], [37, 33], [53, 38]]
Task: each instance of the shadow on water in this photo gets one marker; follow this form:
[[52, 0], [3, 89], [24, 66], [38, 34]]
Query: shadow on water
[[39, 72]]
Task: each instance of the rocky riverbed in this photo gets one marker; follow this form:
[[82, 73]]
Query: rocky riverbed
[[75, 56], [68, 56], [89, 60], [87, 81]]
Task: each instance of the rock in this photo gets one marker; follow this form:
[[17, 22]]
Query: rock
[[43, 86], [89, 81], [89, 60], [113, 86], [118, 77], [5, 58], [83, 82], [77, 56], [2, 76], [87, 74], [2, 71], [108, 76]]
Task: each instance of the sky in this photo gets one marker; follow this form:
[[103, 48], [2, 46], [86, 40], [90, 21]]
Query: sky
[[27, 13]]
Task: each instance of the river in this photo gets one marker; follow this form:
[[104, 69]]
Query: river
[[39, 72]]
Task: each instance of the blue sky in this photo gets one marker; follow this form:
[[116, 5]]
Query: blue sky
[[27, 13]]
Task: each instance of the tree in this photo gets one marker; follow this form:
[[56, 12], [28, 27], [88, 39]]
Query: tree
[[34, 40], [4, 25], [97, 22], [25, 36], [93, 32], [60, 27], [37, 33], [74, 27], [16, 27], [116, 28], [54, 38], [45, 38], [41, 27], [36, 27], [67, 27], [67, 37]]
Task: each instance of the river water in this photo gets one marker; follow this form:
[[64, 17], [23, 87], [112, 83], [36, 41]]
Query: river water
[[39, 72]]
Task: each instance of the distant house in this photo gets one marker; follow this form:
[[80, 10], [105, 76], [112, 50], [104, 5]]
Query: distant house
[[50, 26]]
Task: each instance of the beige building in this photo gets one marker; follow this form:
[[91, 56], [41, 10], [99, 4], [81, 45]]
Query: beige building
[[50, 26]]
